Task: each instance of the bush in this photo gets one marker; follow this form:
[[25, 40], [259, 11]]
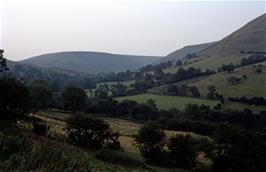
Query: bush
[[150, 140], [183, 150], [117, 157], [40, 128], [91, 132]]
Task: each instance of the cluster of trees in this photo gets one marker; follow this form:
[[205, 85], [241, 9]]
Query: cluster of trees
[[252, 52], [160, 66], [191, 72], [178, 63], [191, 55], [213, 94], [252, 101], [227, 68], [243, 62], [231, 148], [233, 80], [184, 90], [178, 151], [252, 60]]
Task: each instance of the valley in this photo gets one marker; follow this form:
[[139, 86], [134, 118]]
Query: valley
[[200, 108]]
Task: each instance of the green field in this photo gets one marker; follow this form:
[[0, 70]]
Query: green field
[[126, 83], [168, 102], [254, 85]]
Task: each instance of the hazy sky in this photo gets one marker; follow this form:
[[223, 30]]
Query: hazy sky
[[34, 27]]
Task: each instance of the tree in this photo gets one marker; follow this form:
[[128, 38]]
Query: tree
[[194, 91], [227, 68], [178, 63], [3, 65], [101, 92], [258, 71], [150, 141], [41, 95], [74, 98], [91, 132], [212, 92], [183, 150], [239, 150], [14, 99], [118, 90], [232, 80]]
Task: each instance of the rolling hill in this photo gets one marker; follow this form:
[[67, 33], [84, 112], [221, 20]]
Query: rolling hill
[[181, 53], [91, 62]]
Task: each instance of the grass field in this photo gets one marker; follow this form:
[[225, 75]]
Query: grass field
[[254, 85], [168, 102], [126, 83], [163, 88]]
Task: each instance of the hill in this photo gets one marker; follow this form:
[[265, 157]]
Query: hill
[[249, 38], [254, 85], [91, 62], [181, 53], [56, 78]]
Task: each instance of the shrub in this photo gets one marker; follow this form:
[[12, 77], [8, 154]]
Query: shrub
[[40, 128], [183, 150], [118, 157], [91, 132], [150, 140]]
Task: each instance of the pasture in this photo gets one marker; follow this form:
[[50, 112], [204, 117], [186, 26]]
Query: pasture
[[168, 102]]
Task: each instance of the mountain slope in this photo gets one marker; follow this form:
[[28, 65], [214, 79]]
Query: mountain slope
[[250, 37], [91, 62], [181, 53]]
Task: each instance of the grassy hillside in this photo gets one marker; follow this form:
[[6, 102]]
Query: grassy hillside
[[168, 102], [253, 86], [127, 129], [181, 53], [91, 62], [250, 37]]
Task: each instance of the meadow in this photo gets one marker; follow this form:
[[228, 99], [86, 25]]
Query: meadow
[[168, 102], [254, 85]]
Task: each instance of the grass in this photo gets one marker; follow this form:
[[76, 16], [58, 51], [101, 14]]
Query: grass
[[126, 83], [168, 102], [253, 86], [163, 88]]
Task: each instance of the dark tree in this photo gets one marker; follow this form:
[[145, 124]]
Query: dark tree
[[101, 92], [14, 99], [74, 98], [3, 65], [258, 71], [212, 92], [41, 95], [178, 63], [183, 150], [150, 141]]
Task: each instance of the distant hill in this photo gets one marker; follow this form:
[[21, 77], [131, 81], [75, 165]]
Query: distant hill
[[91, 62], [181, 53], [56, 78]]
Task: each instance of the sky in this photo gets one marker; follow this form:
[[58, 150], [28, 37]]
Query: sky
[[149, 27]]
